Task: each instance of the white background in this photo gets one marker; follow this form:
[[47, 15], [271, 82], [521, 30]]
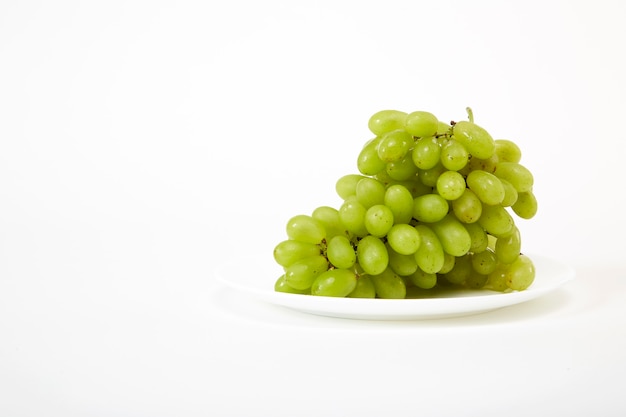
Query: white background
[[144, 143]]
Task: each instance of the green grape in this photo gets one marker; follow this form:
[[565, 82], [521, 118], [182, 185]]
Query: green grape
[[508, 247], [402, 265], [461, 270], [400, 201], [480, 240], [364, 288], [487, 165], [526, 205], [290, 251], [378, 220], [443, 128], [426, 153], [476, 140], [372, 255], [454, 237], [334, 283], [476, 280], [454, 156], [486, 186], [497, 279], [448, 263], [507, 151], [394, 145], [281, 286], [496, 221], [518, 175], [340, 252], [403, 169], [385, 121], [368, 162], [430, 208], [450, 185], [383, 177], [520, 274], [468, 207], [329, 218], [423, 279], [370, 192], [510, 194], [305, 229], [346, 185], [301, 274], [389, 285], [404, 239], [352, 216], [430, 255], [484, 262], [430, 176], [417, 188], [421, 124]]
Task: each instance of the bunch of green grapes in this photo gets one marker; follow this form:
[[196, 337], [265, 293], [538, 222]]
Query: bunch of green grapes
[[431, 206]]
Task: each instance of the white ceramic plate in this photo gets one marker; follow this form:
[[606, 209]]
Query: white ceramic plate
[[258, 279]]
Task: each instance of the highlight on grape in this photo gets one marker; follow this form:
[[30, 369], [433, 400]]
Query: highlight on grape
[[431, 207]]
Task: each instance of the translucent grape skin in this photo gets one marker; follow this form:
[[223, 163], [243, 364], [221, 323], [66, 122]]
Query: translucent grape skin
[[394, 145], [305, 229], [352, 216], [400, 201], [496, 221], [430, 208], [281, 286], [368, 161], [521, 273], [364, 288], [430, 255], [329, 218], [386, 120], [453, 236], [301, 274], [476, 140], [404, 239], [454, 156], [507, 151], [526, 205], [421, 124], [468, 207], [340, 252], [372, 255], [486, 186], [370, 192], [389, 285], [290, 251], [334, 283], [508, 248], [426, 153], [518, 175], [346, 185], [378, 220], [450, 185]]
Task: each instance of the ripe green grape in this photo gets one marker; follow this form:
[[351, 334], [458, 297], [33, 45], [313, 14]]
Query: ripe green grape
[[476, 140], [400, 201], [430, 208], [281, 286], [389, 285], [507, 151], [430, 176], [301, 274], [521, 273], [329, 218], [480, 240], [370, 192], [461, 270], [346, 185], [378, 220], [352, 216], [476, 280], [484, 262], [334, 283], [364, 288], [518, 175], [508, 248], [453, 236], [430, 255], [394, 145], [404, 239], [340, 252], [423, 279], [402, 265], [372, 255], [421, 124], [426, 153], [468, 207], [450, 185], [403, 169], [510, 193], [496, 221], [486, 186], [526, 205], [454, 156], [368, 161], [448, 263], [385, 121], [305, 229], [290, 251]]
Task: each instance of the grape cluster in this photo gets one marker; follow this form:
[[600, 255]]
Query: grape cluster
[[431, 207]]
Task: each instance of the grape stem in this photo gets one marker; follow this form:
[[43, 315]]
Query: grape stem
[[470, 114]]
